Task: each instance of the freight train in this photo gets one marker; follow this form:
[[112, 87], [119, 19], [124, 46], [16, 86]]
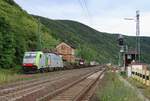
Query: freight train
[[39, 61]]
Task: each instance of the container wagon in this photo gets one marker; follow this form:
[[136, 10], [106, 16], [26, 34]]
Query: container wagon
[[39, 61]]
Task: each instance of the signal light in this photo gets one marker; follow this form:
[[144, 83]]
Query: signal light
[[121, 43], [120, 40]]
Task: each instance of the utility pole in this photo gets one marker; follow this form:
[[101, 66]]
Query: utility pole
[[119, 58], [39, 35], [138, 35], [121, 51], [137, 46]]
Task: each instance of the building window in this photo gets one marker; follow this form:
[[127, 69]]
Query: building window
[[63, 47], [72, 52]]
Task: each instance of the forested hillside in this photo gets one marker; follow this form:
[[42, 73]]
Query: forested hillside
[[19, 32], [91, 44]]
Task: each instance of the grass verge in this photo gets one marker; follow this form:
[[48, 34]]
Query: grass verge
[[113, 89], [16, 74], [9, 75], [143, 88]]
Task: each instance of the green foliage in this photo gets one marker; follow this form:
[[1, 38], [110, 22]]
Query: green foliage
[[19, 33], [1, 45], [142, 87], [86, 53], [8, 50], [113, 89], [7, 44], [48, 41], [6, 76], [91, 44]]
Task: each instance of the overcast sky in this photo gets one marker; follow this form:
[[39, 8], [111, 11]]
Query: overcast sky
[[104, 15]]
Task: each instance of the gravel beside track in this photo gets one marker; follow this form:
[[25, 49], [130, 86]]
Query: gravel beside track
[[37, 88]]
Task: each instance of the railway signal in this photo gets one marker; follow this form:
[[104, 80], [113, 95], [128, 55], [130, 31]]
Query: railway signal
[[137, 46], [120, 40], [121, 45]]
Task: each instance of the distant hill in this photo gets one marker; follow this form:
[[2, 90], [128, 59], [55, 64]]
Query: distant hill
[[92, 44], [19, 33]]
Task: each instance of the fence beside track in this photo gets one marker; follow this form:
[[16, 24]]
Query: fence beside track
[[140, 72]]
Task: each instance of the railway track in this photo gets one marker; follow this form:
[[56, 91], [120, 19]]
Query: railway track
[[79, 90], [35, 89], [27, 84]]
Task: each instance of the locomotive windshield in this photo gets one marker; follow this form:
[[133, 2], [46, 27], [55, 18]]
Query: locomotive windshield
[[30, 55]]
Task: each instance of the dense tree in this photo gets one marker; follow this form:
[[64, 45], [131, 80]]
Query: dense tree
[[91, 44], [11, 2], [1, 46], [6, 44], [18, 34]]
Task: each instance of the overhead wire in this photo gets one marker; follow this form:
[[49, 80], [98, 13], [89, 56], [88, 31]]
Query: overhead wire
[[81, 4], [88, 12], [84, 6]]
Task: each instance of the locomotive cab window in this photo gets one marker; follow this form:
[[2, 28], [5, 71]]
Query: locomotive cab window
[[40, 55], [30, 55]]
